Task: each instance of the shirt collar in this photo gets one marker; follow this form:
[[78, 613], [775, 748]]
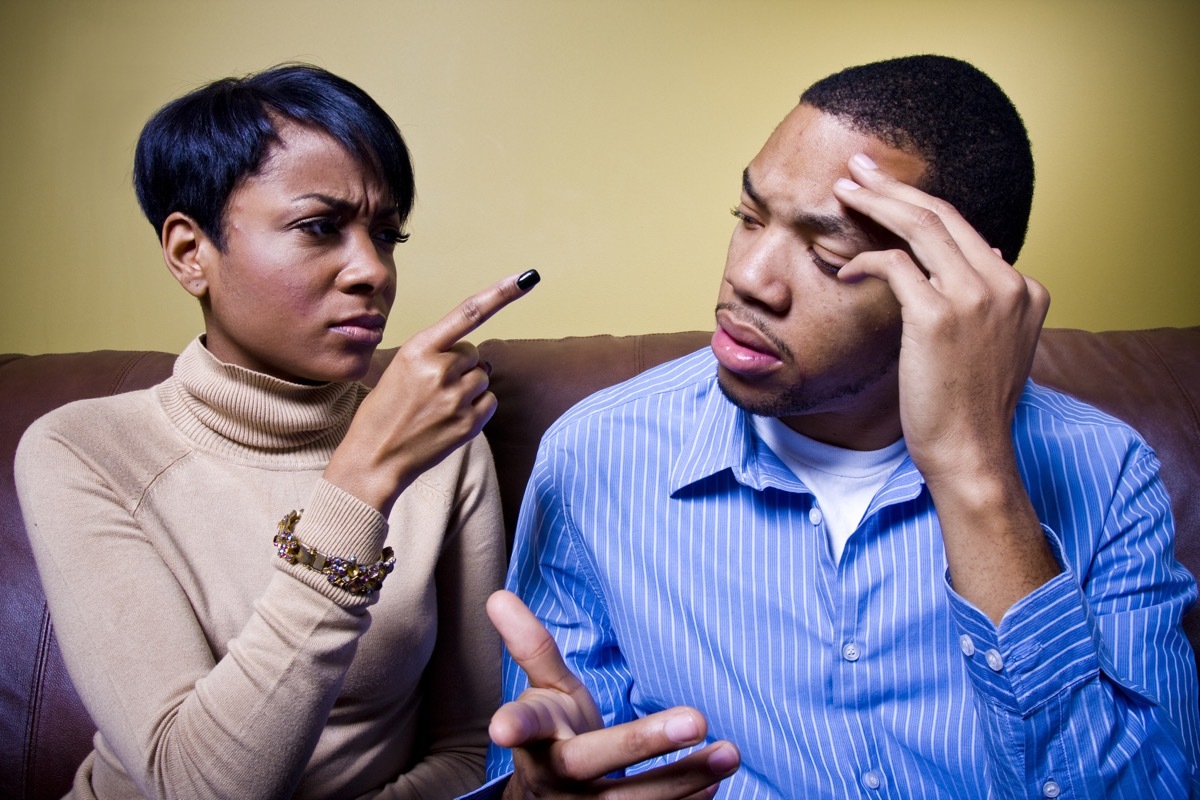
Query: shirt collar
[[723, 440]]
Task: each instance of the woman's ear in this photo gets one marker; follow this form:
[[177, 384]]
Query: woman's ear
[[188, 252]]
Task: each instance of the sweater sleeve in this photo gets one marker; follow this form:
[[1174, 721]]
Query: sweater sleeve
[[180, 723]]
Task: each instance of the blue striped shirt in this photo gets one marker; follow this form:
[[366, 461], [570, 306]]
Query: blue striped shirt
[[676, 560]]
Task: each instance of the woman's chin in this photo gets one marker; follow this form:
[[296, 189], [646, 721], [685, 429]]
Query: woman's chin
[[346, 367]]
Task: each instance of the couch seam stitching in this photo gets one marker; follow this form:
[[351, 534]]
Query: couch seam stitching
[[1188, 402], [126, 369], [35, 697]]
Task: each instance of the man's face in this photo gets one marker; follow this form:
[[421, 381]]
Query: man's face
[[792, 340]]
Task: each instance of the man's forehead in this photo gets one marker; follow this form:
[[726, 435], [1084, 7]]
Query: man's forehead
[[808, 152], [810, 138]]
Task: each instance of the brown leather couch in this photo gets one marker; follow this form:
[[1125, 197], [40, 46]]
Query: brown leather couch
[[1149, 378]]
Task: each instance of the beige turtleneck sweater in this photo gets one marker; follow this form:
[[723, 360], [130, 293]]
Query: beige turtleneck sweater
[[213, 668]]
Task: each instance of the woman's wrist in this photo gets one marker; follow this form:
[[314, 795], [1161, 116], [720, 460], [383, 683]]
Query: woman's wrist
[[362, 476]]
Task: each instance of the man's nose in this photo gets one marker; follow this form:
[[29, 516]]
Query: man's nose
[[759, 272]]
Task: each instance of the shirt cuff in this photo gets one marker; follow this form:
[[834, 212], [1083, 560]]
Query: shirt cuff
[[1046, 644]]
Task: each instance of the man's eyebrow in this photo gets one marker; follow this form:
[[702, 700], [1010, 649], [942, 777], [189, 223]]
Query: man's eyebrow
[[833, 225], [748, 187]]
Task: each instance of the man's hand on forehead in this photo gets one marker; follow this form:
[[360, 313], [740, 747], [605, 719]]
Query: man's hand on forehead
[[971, 321], [941, 241], [970, 329]]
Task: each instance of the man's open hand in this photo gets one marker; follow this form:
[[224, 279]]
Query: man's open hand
[[560, 747]]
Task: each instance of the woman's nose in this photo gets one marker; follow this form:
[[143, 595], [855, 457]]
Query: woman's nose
[[368, 268]]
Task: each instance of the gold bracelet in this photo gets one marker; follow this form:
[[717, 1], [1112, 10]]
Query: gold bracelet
[[344, 573]]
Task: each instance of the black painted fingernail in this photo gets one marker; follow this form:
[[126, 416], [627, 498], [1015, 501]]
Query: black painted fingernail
[[528, 280]]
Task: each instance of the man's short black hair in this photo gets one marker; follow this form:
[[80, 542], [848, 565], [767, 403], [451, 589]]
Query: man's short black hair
[[195, 150], [956, 118]]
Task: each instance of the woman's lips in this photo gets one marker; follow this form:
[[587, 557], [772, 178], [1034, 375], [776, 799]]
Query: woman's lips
[[366, 329], [742, 358]]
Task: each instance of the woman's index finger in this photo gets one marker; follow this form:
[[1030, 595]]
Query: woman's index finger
[[477, 309]]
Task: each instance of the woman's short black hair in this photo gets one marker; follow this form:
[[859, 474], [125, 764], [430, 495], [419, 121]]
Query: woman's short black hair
[[974, 144], [195, 150]]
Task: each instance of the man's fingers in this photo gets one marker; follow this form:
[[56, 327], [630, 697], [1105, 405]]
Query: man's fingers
[[476, 310], [600, 752], [694, 776], [897, 268], [530, 644], [538, 715], [591, 755], [557, 705], [923, 220], [555, 729], [922, 229]]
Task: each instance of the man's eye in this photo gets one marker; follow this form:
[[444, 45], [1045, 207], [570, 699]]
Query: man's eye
[[823, 264], [745, 218]]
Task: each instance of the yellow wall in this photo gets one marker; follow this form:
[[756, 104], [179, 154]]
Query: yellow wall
[[601, 142]]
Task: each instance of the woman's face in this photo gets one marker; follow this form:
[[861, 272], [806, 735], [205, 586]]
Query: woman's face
[[306, 280]]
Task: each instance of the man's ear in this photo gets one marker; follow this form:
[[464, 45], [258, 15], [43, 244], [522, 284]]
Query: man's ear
[[188, 252]]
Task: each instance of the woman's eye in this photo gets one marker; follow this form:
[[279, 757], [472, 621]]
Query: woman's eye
[[321, 226], [390, 237]]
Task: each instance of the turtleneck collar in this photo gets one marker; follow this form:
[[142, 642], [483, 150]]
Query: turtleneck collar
[[234, 410]]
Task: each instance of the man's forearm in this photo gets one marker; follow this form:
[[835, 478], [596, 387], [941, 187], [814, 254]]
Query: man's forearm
[[996, 550]]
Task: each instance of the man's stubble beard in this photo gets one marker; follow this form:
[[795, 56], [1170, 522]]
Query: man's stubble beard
[[797, 400]]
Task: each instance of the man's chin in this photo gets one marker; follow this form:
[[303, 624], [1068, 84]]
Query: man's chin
[[761, 401]]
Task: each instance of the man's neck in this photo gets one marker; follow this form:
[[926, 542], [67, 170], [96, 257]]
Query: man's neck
[[851, 431]]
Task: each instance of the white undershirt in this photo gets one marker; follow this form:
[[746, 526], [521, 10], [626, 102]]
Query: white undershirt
[[843, 481]]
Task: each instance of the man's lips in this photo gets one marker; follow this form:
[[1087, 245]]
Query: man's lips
[[742, 349], [363, 328]]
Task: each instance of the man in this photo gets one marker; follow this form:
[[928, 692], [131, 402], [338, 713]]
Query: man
[[852, 537]]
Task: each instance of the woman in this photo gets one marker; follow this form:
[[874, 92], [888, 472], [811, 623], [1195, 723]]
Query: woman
[[225, 646]]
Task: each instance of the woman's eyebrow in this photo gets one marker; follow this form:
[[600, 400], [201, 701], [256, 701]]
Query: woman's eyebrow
[[336, 203], [346, 206]]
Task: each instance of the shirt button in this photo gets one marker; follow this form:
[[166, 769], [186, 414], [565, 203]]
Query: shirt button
[[850, 651], [967, 645], [872, 779], [815, 516], [994, 660], [1051, 788]]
